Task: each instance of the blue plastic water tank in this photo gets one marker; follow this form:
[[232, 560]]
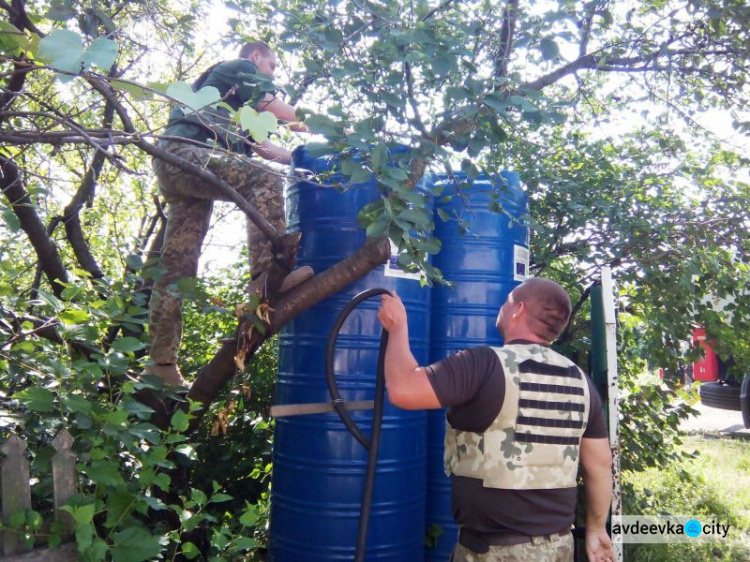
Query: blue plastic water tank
[[485, 262], [319, 468]]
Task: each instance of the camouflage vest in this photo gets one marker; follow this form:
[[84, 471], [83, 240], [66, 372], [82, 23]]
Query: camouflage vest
[[534, 441]]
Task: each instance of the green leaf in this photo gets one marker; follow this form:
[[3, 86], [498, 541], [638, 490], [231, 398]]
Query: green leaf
[[134, 262], [190, 551], [105, 472], [430, 245], [180, 420], [418, 217], [11, 220], [128, 344], [259, 125], [162, 481], [187, 450], [194, 101], [246, 543], [147, 431], [37, 399], [102, 52], [135, 545], [58, 11], [11, 38], [119, 504], [250, 517], [198, 496], [496, 101], [73, 316], [155, 503], [377, 228], [17, 519], [137, 409], [323, 125], [76, 403], [379, 156], [550, 49], [82, 514], [138, 92], [218, 498], [62, 49]]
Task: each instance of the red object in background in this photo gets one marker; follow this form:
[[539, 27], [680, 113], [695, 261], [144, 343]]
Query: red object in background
[[707, 368]]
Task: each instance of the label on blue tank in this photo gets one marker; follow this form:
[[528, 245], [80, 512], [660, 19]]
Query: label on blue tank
[[392, 269], [520, 262]]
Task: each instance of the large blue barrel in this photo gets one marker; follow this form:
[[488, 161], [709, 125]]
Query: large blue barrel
[[319, 468], [485, 262]]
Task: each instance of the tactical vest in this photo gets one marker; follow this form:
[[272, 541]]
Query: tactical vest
[[534, 441]]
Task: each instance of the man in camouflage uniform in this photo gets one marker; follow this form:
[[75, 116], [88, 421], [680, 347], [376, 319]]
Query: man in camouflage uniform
[[210, 139], [519, 419]]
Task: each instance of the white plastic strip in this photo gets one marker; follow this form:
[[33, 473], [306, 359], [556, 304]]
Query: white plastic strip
[[610, 324]]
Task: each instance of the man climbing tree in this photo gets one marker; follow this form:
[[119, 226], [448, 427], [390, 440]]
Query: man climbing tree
[[209, 139]]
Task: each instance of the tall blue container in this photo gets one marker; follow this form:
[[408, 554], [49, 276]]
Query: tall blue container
[[485, 263], [319, 468]]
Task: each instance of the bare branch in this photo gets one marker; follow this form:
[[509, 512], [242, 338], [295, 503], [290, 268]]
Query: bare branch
[[506, 39], [20, 202], [604, 63], [439, 8]]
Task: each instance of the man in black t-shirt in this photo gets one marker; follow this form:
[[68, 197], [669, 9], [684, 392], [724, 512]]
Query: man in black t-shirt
[[519, 419]]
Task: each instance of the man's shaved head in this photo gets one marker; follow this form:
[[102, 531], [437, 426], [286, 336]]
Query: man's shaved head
[[248, 48], [547, 304]]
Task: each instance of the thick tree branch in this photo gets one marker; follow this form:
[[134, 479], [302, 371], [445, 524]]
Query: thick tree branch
[[71, 214], [506, 39], [44, 327], [605, 63], [15, 84], [20, 202], [222, 367]]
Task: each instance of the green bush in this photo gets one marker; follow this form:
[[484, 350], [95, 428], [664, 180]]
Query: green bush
[[707, 486], [142, 491]]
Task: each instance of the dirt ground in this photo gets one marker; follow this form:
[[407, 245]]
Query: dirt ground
[[714, 419]]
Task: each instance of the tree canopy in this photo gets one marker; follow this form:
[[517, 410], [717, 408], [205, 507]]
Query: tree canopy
[[605, 109]]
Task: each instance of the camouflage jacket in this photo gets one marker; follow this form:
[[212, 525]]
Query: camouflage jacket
[[534, 441]]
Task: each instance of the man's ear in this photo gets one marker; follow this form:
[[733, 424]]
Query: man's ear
[[518, 309]]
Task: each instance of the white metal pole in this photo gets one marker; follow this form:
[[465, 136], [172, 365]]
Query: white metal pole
[[610, 325]]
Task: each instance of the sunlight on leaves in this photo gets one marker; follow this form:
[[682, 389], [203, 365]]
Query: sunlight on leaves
[[193, 101], [259, 125]]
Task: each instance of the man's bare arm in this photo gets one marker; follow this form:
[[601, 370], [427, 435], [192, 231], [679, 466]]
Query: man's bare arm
[[407, 382], [275, 153], [596, 460], [282, 111]]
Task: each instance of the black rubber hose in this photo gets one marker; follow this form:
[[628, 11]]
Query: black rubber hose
[[372, 445]]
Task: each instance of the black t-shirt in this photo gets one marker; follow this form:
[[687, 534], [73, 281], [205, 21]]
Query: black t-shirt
[[471, 384]]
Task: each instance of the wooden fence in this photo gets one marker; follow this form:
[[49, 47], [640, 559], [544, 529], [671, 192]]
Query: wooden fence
[[15, 495]]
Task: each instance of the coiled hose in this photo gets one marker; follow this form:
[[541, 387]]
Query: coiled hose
[[372, 445]]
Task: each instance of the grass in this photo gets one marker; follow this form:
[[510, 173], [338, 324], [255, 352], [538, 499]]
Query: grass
[[715, 485]]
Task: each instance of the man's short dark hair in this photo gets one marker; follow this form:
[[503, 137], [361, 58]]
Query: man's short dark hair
[[247, 49], [548, 306]]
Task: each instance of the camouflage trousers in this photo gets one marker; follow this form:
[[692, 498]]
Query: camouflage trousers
[[552, 548], [189, 205]]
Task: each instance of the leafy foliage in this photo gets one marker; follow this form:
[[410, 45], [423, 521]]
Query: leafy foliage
[[600, 107], [134, 501]]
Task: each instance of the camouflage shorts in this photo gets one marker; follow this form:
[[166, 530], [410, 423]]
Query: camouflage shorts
[[189, 205], [552, 548]]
